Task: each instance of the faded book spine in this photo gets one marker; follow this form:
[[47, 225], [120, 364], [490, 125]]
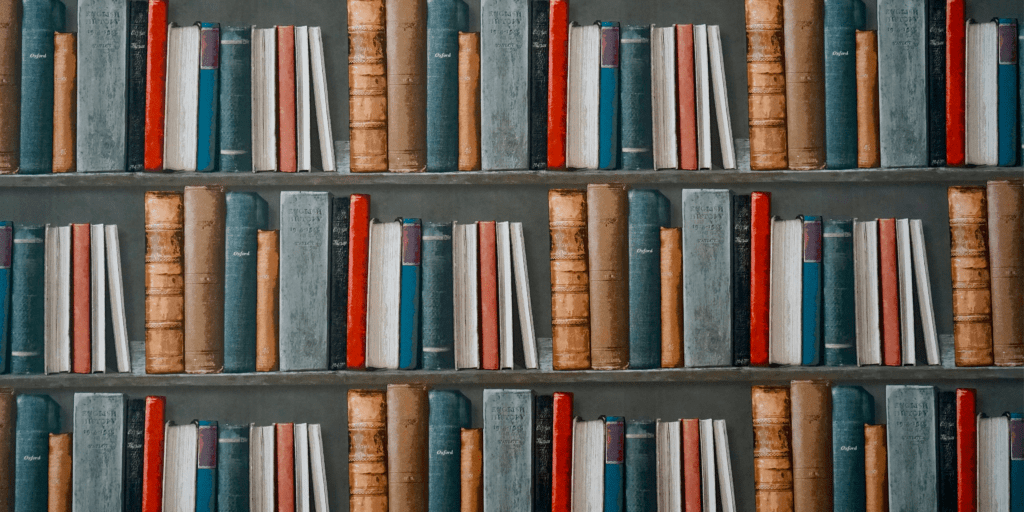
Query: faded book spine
[[235, 102], [570, 281], [508, 455], [868, 154], [102, 91], [65, 67], [35, 140], [649, 212], [635, 97], [707, 277], [766, 85], [852, 407], [540, 13], [246, 214], [338, 327], [367, 451], [305, 225], [437, 296], [773, 468], [902, 84], [608, 212], [98, 451], [469, 101], [641, 466], [38, 416], [811, 403], [267, 300], [138, 34], [969, 252], [407, 85], [840, 85], [165, 298], [205, 212], [27, 299], [471, 471], [1006, 256], [10, 88], [232, 468], [805, 82], [450, 413], [368, 86], [671, 298], [504, 72], [876, 473], [407, 437], [58, 476], [911, 440], [445, 18]]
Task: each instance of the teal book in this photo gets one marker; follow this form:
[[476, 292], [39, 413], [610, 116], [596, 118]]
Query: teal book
[[445, 19], [102, 86], [39, 20], [27, 294], [852, 407], [1008, 103], [811, 316], [98, 451], [233, 468], [235, 103], [608, 108], [840, 84], [409, 309], [209, 78], [247, 212], [614, 464], [6, 239], [641, 466], [206, 467], [38, 417], [1016, 462], [838, 300], [450, 412], [508, 451], [635, 100], [649, 211], [437, 297], [911, 446]]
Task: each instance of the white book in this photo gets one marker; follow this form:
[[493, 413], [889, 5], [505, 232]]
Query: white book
[[981, 95], [669, 468], [116, 284], [503, 248], [383, 294], [51, 353], [707, 466], [665, 138], [318, 470], [261, 469], [721, 98], [725, 483], [303, 147], [993, 464], [583, 96], [924, 292], [464, 265], [181, 447], [522, 284], [64, 299], [702, 89], [323, 108], [300, 439], [588, 466], [98, 297], [264, 99], [865, 290], [906, 287], [784, 343], [181, 114]]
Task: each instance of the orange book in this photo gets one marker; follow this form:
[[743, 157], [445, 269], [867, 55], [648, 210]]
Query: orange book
[[81, 298], [286, 142], [284, 444]]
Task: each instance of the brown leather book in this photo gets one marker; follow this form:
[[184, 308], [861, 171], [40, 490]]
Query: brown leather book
[[766, 85], [408, 430], [570, 281], [469, 101], [367, 451], [876, 472], [407, 85], [65, 100], [81, 299], [773, 469], [671, 297], [267, 286], [868, 154], [368, 87], [10, 97], [59, 474], [472, 470], [1006, 257], [972, 305], [805, 82], [205, 209], [165, 297], [8, 411], [811, 403], [608, 262]]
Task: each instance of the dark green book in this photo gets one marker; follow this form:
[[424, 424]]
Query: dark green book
[[450, 412], [649, 211], [233, 468], [838, 299], [641, 466], [27, 294], [247, 212], [38, 417], [852, 407]]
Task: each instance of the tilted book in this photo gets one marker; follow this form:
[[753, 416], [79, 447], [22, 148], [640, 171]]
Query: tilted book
[[521, 276], [508, 452], [721, 95], [707, 277], [504, 95], [323, 108], [305, 225], [99, 434]]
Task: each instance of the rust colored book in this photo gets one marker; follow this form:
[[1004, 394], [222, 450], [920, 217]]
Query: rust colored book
[[811, 420], [876, 469], [286, 142], [570, 281], [205, 211], [1006, 256], [407, 85], [165, 296], [10, 98], [888, 290], [81, 298], [487, 279], [469, 101], [408, 422], [284, 445], [472, 471], [65, 66], [267, 286], [608, 263], [766, 85], [686, 103], [367, 451], [804, 36], [8, 411], [972, 305], [671, 298], [58, 489], [773, 469], [689, 433], [368, 87], [868, 154]]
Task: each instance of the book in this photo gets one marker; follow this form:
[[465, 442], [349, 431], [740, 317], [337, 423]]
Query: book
[[558, 63], [649, 212], [358, 246], [81, 295], [811, 290], [445, 19], [721, 95], [65, 95], [409, 302], [6, 243], [840, 85], [922, 283], [707, 301], [902, 84], [785, 343], [466, 289], [911, 441], [153, 454], [570, 288], [97, 299], [803, 23], [723, 462], [317, 467], [156, 85], [969, 253], [303, 145], [504, 99], [540, 26], [981, 93], [908, 345], [232, 468], [608, 111], [614, 469], [268, 287], [134, 447], [587, 464], [38, 416], [876, 479], [305, 239], [1016, 460], [180, 458], [406, 27], [206, 466], [838, 299], [246, 213], [10, 92], [641, 465], [503, 251], [264, 94], [507, 455], [235, 101], [709, 494], [51, 299], [35, 139], [384, 295], [207, 146], [205, 213], [671, 263], [668, 471], [27, 295], [812, 444], [741, 279], [635, 97], [471, 470], [283, 467], [469, 101], [337, 325], [487, 281], [262, 477], [956, 61], [65, 304], [407, 438], [966, 448], [285, 75], [562, 451], [59, 474], [663, 97], [98, 451], [993, 463], [760, 276], [868, 155], [1007, 106], [436, 297], [866, 293], [936, 69], [583, 97], [323, 108], [300, 443], [367, 93], [608, 246], [947, 450], [450, 413], [182, 112], [691, 464], [521, 276], [702, 92], [888, 291], [1005, 201], [367, 450], [852, 408], [773, 467], [543, 431], [766, 84]]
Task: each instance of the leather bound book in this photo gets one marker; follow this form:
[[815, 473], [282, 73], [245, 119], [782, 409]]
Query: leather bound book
[[671, 298], [156, 85], [811, 403], [407, 84], [286, 142], [544, 420], [876, 473], [936, 68], [367, 451], [558, 73], [368, 87], [445, 18], [488, 279], [165, 306], [138, 33], [760, 275], [471, 474], [570, 281], [803, 22], [65, 65], [773, 469], [59, 475], [153, 454], [540, 11], [868, 154], [741, 279], [956, 51], [649, 211], [967, 449], [469, 101], [81, 294], [947, 451], [972, 308], [284, 464], [267, 289], [8, 412], [608, 263], [205, 212], [10, 94], [766, 85], [134, 448], [1006, 257], [408, 427], [337, 353], [690, 462], [358, 259], [686, 93], [888, 274]]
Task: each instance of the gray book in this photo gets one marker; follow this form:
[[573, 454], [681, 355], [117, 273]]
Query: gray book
[[508, 450], [102, 84], [707, 277], [98, 452], [911, 438], [305, 230], [902, 83], [504, 84]]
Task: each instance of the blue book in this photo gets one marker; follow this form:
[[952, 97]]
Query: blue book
[[614, 467], [27, 294], [206, 467], [641, 466], [608, 109], [840, 85], [233, 468], [445, 19], [39, 20], [1008, 102], [6, 237], [852, 407], [838, 296], [812, 295], [1016, 462], [635, 100], [38, 417], [437, 296], [209, 69], [450, 412], [235, 103], [247, 212], [649, 211], [409, 313]]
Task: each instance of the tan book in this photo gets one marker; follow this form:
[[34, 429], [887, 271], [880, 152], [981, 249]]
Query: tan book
[[773, 468], [367, 451], [165, 297], [608, 263], [408, 431], [876, 469], [469, 101], [811, 417], [205, 211], [471, 474], [267, 287], [8, 412], [570, 281], [766, 85], [868, 155], [407, 85], [972, 304], [1006, 258], [671, 298], [10, 101], [368, 87], [805, 82], [58, 489], [64, 101]]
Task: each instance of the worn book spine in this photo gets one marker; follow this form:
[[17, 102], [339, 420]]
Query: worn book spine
[[690, 459], [993, 463], [156, 85], [852, 407], [664, 90], [235, 101], [936, 69], [785, 339], [445, 18], [686, 90], [1005, 201], [888, 291], [741, 280], [283, 467], [902, 84], [206, 466], [614, 463], [773, 467], [98, 451], [27, 299], [134, 451], [570, 281], [38, 416], [305, 228], [436, 300], [102, 88], [641, 466], [508, 457], [358, 256], [766, 84], [165, 306], [561, 452], [6, 242], [649, 211], [367, 451], [838, 301], [65, 101], [153, 454], [407, 85], [205, 210], [635, 97], [368, 86], [558, 67], [338, 328], [671, 297], [181, 123], [966, 449], [504, 95], [584, 90], [811, 403], [409, 313], [981, 92], [10, 88], [35, 139], [876, 476], [245, 214], [969, 253], [58, 475], [285, 101], [840, 85], [268, 287], [803, 22], [760, 275], [1007, 104], [544, 418], [608, 109], [540, 13], [868, 155], [233, 468], [947, 451], [209, 93], [608, 245], [138, 35], [911, 440], [707, 284], [471, 471], [487, 277], [407, 441], [450, 413], [469, 101], [956, 45], [81, 307]]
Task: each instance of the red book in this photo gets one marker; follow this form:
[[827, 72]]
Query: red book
[[955, 62], [966, 450], [689, 430], [558, 69], [561, 453], [358, 260], [686, 101], [284, 464], [488, 268], [81, 297], [156, 85], [760, 275], [153, 455], [888, 276], [286, 145]]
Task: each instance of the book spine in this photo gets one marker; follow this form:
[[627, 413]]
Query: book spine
[[570, 281], [469, 101], [811, 403], [305, 225], [649, 211], [811, 314], [206, 467], [558, 69], [1016, 461], [707, 278], [358, 244], [165, 307], [540, 13], [902, 83], [1007, 103], [868, 155], [27, 297], [635, 97], [98, 451], [805, 83], [947, 451], [205, 212], [303, 105], [471, 490], [284, 466], [436, 302], [409, 315], [286, 141], [367, 94], [38, 416], [65, 100], [1020, 84], [10, 86], [889, 291], [686, 104], [209, 86], [407, 440], [504, 97], [246, 213], [134, 446], [760, 275], [608, 108], [442, 84], [6, 247], [840, 85], [773, 468], [966, 449], [267, 300], [972, 318], [235, 101], [876, 480], [608, 246], [936, 62], [911, 441], [741, 280], [956, 46], [488, 297], [508, 459], [59, 475], [689, 432], [449, 414], [233, 468], [36, 127], [81, 308], [838, 298], [367, 450], [544, 422], [766, 84], [153, 454], [407, 85], [671, 298], [852, 407], [561, 452], [1006, 256], [138, 35], [156, 85], [102, 87], [641, 466], [614, 467], [340, 208]]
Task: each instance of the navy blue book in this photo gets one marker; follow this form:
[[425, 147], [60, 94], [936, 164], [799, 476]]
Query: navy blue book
[[1007, 103], [936, 63], [614, 464], [235, 101], [445, 19], [39, 20], [437, 296], [409, 311], [209, 71], [741, 280], [635, 97], [543, 450], [641, 466], [852, 407], [6, 237], [233, 468], [450, 412], [649, 211], [947, 452], [540, 14], [134, 436], [811, 316], [27, 294], [840, 85], [246, 213], [837, 296], [338, 323], [138, 30], [38, 417], [608, 109]]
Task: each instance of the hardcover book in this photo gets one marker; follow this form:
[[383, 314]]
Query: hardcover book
[[285, 99], [707, 284], [338, 328], [868, 155], [614, 470], [544, 427], [81, 307], [246, 214], [409, 312], [981, 92], [487, 280], [204, 248], [383, 295], [947, 451], [282, 468], [663, 97], [469, 101], [59, 475], [504, 97], [561, 452], [649, 212], [641, 466], [702, 93], [10, 90], [134, 452], [408, 441], [6, 247], [182, 113], [608, 111], [540, 14], [911, 440], [741, 279], [876, 479], [865, 286], [38, 23], [786, 305], [811, 303], [99, 435], [507, 452], [889, 292], [206, 466], [156, 85], [936, 59], [367, 450], [65, 101], [1005, 200], [668, 472], [635, 97], [852, 408], [582, 141], [38, 416], [803, 22], [956, 61], [608, 240], [436, 300], [305, 225], [406, 29], [445, 19], [969, 253], [233, 468], [450, 412], [902, 84], [570, 282], [367, 94], [235, 101], [840, 84], [358, 256], [671, 298], [303, 144], [268, 287], [993, 463], [153, 454], [471, 469], [209, 93], [966, 448], [773, 467], [588, 464], [838, 296], [264, 92], [760, 275], [1007, 106], [766, 84], [27, 296], [558, 62], [811, 403]]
